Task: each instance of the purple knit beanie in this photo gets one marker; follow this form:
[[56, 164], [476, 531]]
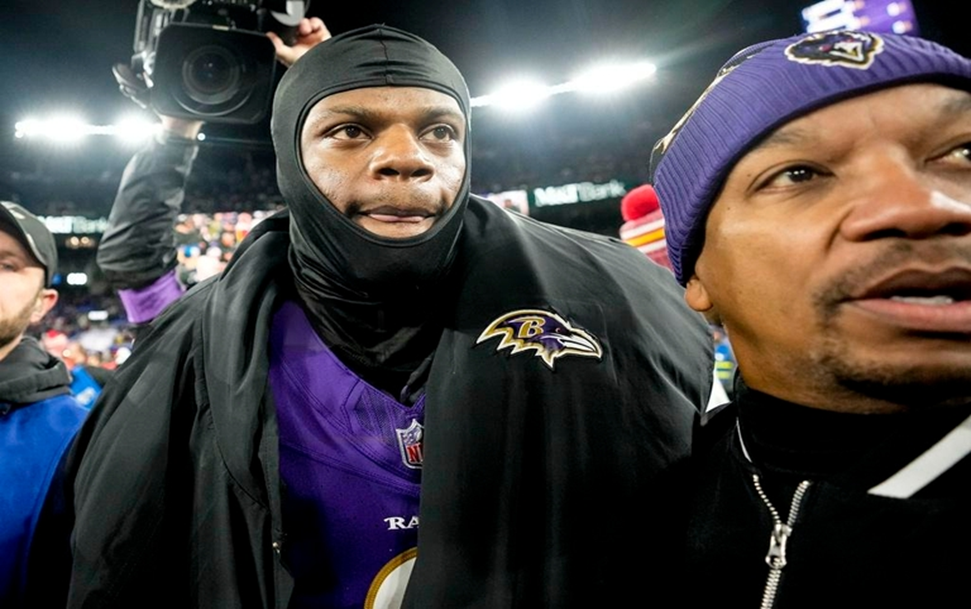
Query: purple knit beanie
[[763, 87]]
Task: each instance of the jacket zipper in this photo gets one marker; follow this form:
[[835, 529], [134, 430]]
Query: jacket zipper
[[781, 531]]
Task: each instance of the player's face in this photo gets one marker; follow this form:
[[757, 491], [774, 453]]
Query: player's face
[[22, 299], [391, 159], [838, 254]]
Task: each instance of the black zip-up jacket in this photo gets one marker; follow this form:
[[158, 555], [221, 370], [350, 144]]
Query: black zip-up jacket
[[874, 528], [541, 486]]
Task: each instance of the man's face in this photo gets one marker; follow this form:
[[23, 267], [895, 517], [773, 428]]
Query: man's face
[[391, 159], [838, 254], [23, 301]]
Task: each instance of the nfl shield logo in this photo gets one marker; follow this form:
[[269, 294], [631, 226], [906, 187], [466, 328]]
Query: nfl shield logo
[[410, 442]]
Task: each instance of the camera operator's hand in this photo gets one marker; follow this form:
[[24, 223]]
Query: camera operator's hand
[[310, 33], [132, 85]]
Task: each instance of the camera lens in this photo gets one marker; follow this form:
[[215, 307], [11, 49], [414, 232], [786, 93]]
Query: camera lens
[[211, 74]]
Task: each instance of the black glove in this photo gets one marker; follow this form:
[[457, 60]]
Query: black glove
[[132, 85]]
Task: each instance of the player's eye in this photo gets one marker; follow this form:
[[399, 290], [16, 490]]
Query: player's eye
[[441, 133], [347, 132]]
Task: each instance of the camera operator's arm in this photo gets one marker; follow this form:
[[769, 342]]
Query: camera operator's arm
[[138, 250], [310, 32]]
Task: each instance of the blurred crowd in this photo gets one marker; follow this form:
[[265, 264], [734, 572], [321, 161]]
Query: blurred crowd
[[89, 327], [86, 329], [207, 242]]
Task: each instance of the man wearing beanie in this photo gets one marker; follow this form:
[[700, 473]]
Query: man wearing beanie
[[397, 393], [38, 414], [818, 205]]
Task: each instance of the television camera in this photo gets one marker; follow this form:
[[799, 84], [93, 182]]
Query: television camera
[[210, 59]]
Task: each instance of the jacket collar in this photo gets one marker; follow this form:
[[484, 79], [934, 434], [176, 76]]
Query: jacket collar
[[29, 374]]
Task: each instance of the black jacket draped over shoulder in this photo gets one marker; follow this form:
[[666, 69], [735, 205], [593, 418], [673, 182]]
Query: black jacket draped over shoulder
[[542, 486]]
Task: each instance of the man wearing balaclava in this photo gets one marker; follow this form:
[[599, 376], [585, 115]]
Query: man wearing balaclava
[[397, 393]]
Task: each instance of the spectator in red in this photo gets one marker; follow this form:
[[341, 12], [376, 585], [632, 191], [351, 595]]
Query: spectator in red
[[643, 225]]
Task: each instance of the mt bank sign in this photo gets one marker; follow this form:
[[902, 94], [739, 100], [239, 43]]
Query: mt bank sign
[[581, 192]]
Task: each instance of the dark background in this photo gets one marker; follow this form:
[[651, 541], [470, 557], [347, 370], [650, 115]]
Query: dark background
[[54, 52], [57, 56]]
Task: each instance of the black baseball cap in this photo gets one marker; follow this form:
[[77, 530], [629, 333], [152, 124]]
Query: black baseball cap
[[31, 232]]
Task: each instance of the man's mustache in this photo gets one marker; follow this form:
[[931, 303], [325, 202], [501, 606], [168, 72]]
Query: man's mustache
[[896, 256]]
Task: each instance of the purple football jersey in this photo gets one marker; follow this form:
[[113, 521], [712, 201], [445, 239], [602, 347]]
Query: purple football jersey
[[350, 463]]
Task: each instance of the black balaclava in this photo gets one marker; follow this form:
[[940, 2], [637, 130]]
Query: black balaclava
[[372, 299]]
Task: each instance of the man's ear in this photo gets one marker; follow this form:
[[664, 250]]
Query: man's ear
[[696, 295], [46, 299]]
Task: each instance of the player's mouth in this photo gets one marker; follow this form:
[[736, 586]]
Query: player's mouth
[[395, 215], [921, 300], [401, 216]]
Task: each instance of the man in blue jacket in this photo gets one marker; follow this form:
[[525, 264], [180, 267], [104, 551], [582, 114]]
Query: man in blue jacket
[[38, 414]]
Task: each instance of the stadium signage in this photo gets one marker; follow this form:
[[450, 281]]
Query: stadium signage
[[74, 225], [582, 192]]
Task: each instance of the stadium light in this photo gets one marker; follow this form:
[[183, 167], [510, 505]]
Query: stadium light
[[521, 95], [62, 129], [77, 278], [517, 95], [612, 77], [135, 129], [129, 130], [98, 315]]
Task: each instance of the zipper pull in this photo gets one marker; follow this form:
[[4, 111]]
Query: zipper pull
[[776, 558]]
